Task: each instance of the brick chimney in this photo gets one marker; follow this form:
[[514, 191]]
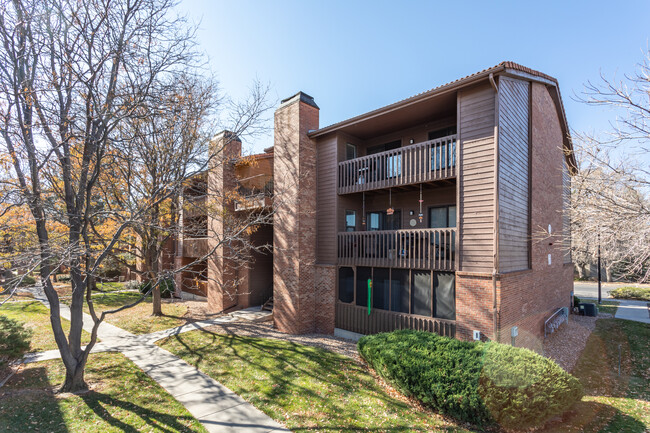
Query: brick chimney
[[294, 227], [222, 272]]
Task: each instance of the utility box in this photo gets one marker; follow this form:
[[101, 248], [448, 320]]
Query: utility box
[[588, 309]]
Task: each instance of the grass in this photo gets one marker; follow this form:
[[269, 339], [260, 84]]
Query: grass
[[138, 319], [613, 403], [305, 388], [37, 318], [122, 398], [608, 307], [110, 286], [630, 292]]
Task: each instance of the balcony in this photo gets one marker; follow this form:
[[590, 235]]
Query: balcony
[[194, 206], [421, 162], [195, 247], [255, 197], [418, 248]]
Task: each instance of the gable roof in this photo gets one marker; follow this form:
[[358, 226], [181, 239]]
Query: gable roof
[[506, 67]]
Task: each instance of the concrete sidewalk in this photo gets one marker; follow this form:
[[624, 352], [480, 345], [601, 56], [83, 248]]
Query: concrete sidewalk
[[215, 406], [637, 311]]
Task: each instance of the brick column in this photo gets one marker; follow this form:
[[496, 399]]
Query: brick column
[[294, 228], [222, 272]]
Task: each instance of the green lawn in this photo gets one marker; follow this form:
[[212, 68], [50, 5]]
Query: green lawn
[[122, 398], [138, 319], [305, 388], [36, 317], [608, 307], [613, 403]]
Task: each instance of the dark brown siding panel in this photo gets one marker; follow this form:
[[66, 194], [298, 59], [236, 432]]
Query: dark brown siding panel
[[476, 129], [566, 213], [514, 102], [326, 199]]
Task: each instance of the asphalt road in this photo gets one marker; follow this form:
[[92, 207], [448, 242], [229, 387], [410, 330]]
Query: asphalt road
[[588, 289]]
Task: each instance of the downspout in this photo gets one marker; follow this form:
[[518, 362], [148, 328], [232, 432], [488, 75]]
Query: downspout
[[495, 269]]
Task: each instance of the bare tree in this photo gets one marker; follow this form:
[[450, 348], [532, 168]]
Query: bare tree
[[103, 121], [611, 202], [70, 73]]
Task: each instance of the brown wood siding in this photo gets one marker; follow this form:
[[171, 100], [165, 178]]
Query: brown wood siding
[[514, 176], [566, 213], [326, 199], [476, 208], [356, 319]]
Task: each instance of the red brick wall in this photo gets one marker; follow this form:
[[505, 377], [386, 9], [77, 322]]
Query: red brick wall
[[222, 272], [294, 234], [325, 298], [474, 302]]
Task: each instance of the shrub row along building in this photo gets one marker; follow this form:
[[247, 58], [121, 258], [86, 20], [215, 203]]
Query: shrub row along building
[[443, 212]]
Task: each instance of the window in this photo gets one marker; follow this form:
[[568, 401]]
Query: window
[[346, 285], [442, 217], [379, 220], [443, 154], [363, 275], [350, 220], [350, 151], [421, 292], [393, 163], [439, 218]]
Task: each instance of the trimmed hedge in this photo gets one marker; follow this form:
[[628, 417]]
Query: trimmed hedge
[[14, 339], [638, 293], [481, 383]]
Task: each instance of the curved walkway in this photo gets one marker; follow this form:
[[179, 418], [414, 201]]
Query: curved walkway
[[215, 406]]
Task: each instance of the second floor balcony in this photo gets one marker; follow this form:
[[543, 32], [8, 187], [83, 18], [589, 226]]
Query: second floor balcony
[[416, 248], [421, 162]]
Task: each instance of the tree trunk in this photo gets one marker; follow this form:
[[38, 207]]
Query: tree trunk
[[157, 302], [608, 274], [74, 379]]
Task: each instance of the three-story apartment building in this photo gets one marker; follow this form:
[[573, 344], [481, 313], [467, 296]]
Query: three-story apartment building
[[443, 212]]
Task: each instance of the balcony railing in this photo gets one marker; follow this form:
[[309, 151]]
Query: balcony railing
[[195, 247], [421, 162], [418, 248]]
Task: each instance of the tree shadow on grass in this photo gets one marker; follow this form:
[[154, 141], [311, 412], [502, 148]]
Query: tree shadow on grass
[[593, 416], [103, 404], [281, 370], [28, 404]]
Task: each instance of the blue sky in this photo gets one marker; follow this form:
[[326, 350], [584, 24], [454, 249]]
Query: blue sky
[[355, 56]]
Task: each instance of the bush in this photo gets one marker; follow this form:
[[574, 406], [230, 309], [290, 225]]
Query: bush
[[481, 383], [14, 339], [576, 301], [638, 293], [130, 285], [26, 280], [63, 278], [166, 287]]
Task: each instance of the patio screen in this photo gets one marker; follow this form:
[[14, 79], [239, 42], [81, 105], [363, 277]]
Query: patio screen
[[346, 285], [380, 288], [444, 286], [421, 292], [363, 275], [399, 287]]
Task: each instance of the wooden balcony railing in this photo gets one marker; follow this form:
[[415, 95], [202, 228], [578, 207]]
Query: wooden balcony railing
[[195, 247], [418, 248], [417, 163]]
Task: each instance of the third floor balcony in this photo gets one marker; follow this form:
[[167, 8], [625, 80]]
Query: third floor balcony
[[417, 163]]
